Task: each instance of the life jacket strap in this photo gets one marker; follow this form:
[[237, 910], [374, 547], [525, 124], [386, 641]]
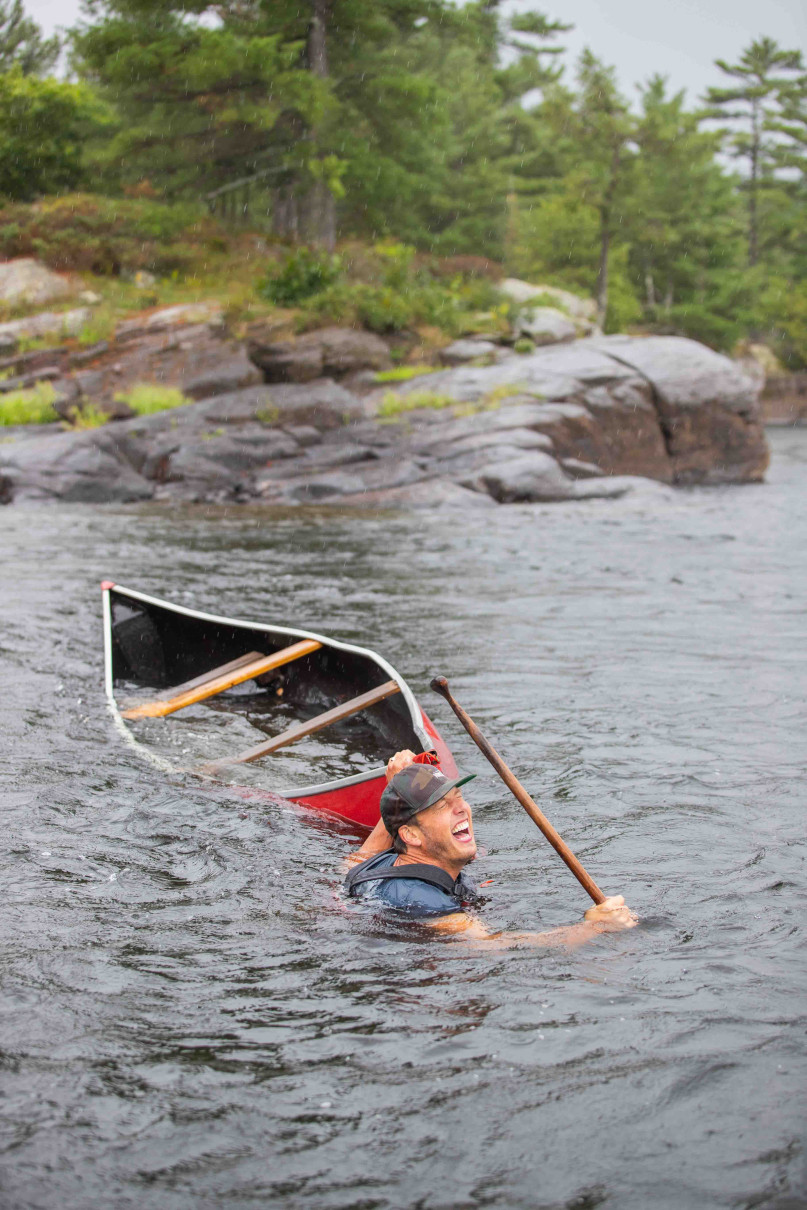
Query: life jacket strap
[[423, 872]]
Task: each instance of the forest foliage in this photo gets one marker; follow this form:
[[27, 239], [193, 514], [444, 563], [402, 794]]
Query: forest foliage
[[448, 129]]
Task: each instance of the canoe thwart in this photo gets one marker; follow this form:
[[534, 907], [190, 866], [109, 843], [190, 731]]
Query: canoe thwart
[[301, 730], [206, 677], [245, 668]]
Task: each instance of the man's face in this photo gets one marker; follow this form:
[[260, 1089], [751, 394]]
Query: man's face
[[446, 831]]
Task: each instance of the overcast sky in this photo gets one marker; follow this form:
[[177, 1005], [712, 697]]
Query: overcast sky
[[679, 38]]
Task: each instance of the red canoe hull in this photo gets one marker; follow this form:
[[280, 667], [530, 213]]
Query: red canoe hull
[[359, 803]]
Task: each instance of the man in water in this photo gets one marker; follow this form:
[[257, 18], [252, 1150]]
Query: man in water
[[415, 858]]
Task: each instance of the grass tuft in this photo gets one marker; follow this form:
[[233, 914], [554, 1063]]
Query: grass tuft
[[393, 404], [31, 406], [145, 398], [404, 373], [88, 417]]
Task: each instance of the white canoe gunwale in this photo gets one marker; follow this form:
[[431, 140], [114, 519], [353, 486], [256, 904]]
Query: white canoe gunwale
[[165, 765]]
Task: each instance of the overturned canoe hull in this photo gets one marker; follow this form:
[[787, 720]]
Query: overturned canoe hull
[[154, 644]]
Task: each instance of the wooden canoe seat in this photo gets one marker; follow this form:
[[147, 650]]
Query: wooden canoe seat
[[300, 730], [245, 668]]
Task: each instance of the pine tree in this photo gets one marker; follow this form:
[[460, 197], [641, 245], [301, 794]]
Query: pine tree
[[763, 74], [199, 106], [22, 44], [605, 127], [681, 219]]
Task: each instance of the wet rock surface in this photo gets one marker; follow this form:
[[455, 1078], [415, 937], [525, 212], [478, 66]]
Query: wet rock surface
[[329, 352], [27, 281], [589, 418]]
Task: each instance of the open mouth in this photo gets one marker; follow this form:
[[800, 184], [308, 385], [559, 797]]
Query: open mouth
[[462, 831]]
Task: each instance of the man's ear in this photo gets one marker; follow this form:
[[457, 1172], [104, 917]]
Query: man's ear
[[410, 836]]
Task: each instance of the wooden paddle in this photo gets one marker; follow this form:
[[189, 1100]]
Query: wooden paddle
[[440, 685], [300, 730]]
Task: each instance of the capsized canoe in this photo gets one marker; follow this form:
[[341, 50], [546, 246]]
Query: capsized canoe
[[175, 676]]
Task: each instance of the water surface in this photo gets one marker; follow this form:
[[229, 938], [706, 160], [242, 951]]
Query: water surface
[[192, 1018]]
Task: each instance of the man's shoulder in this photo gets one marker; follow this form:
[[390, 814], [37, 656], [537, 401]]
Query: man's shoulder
[[409, 892]]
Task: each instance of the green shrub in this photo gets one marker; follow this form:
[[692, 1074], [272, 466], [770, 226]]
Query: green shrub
[[44, 125], [146, 398], [31, 406], [783, 311], [700, 322], [385, 309], [304, 273], [106, 235], [386, 289], [524, 345]]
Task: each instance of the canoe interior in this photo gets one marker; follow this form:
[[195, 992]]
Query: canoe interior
[[153, 648]]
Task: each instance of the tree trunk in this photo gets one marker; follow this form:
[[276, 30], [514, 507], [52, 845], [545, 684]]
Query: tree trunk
[[318, 38], [649, 288], [602, 268], [285, 218], [605, 239], [752, 189], [320, 203], [668, 300]]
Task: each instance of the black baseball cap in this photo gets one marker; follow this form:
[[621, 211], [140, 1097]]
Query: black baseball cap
[[413, 790]]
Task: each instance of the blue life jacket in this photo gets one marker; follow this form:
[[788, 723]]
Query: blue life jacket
[[420, 890]]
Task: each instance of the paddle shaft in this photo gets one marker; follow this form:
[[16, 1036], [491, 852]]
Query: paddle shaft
[[440, 685]]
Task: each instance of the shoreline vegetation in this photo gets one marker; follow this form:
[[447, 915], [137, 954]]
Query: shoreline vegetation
[[367, 206], [383, 168]]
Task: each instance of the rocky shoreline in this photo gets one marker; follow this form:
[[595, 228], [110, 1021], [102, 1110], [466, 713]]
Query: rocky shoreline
[[304, 420]]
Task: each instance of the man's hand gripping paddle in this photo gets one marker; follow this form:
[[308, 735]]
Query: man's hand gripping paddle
[[440, 685]]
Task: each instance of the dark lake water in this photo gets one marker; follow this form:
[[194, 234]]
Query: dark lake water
[[190, 1016]]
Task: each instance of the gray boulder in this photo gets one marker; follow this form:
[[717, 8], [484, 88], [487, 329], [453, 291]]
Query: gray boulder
[[233, 374], [707, 406], [26, 282], [546, 326], [461, 351], [46, 323], [431, 493], [80, 467], [515, 438], [329, 351], [322, 404], [581, 309], [528, 477], [171, 317]]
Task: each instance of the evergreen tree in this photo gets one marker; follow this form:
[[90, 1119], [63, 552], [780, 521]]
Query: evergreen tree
[[199, 106], [604, 126], [681, 219], [22, 44], [791, 122], [762, 75]]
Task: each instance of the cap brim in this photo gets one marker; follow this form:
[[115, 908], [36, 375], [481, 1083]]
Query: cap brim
[[453, 782]]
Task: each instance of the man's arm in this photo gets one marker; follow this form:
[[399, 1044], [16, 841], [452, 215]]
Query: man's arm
[[379, 839], [607, 917]]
